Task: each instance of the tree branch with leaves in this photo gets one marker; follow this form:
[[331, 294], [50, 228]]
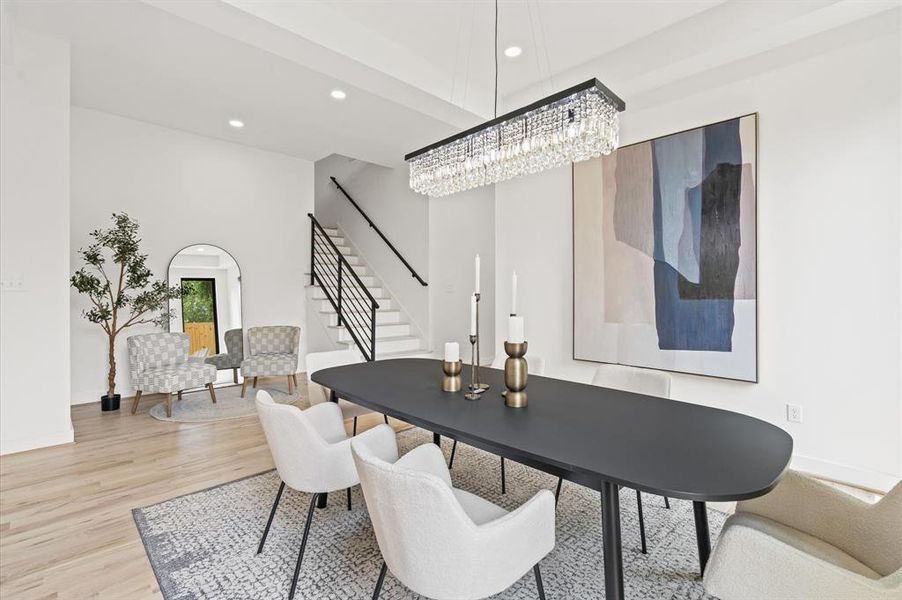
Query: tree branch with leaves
[[131, 296]]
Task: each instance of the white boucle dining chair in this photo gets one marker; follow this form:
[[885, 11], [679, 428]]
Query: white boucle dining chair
[[312, 453], [807, 539], [638, 381], [535, 366], [446, 543], [317, 361]]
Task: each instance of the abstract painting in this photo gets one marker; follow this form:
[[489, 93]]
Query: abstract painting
[[664, 253]]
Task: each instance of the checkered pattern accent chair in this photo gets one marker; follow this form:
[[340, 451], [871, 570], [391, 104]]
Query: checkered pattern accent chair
[[159, 363], [234, 354], [272, 351]]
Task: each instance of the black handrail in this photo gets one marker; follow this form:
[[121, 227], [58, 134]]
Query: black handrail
[[325, 274], [384, 239]]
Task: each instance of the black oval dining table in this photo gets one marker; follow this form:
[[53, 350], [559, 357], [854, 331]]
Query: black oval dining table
[[597, 437]]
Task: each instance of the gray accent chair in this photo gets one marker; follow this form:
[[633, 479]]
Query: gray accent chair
[[234, 354], [272, 352], [159, 364]]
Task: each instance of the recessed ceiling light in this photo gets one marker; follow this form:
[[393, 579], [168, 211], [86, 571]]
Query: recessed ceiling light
[[338, 94], [200, 248], [236, 123], [513, 51]]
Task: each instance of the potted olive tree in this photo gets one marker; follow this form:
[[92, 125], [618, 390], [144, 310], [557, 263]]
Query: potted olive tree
[[122, 290]]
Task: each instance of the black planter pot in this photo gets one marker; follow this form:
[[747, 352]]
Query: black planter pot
[[107, 403]]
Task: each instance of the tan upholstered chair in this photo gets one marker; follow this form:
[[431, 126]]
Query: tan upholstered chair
[[806, 539]]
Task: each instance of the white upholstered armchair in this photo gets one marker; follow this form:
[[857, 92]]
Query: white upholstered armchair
[[312, 454], [806, 539], [446, 543], [159, 364], [271, 351]]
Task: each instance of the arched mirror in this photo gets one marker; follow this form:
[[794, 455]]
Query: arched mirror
[[209, 310]]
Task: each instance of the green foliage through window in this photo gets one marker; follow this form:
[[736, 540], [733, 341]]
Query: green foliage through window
[[197, 301]]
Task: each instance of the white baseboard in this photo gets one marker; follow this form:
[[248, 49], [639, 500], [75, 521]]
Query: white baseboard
[[54, 438], [847, 474]]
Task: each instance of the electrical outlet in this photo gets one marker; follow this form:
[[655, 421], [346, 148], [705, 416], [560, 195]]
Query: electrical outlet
[[793, 413]]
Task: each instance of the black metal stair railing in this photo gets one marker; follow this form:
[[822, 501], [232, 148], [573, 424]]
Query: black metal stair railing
[[378, 231], [351, 300]]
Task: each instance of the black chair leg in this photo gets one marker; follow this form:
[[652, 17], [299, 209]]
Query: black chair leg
[[453, 450], [349, 498], [272, 514], [386, 419], [666, 502], [297, 567], [354, 428], [503, 482], [380, 581], [641, 521], [539, 585], [557, 492]]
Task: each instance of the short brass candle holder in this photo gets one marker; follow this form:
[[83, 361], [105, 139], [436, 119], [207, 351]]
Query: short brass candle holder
[[515, 374], [451, 380]]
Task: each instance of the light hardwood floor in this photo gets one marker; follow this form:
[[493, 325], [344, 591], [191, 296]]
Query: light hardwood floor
[[66, 527]]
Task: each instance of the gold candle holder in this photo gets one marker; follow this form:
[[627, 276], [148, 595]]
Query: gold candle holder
[[478, 384], [515, 374], [475, 390], [451, 379]]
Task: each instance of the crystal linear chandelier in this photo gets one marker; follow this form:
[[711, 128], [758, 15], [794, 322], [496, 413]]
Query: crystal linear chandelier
[[576, 124]]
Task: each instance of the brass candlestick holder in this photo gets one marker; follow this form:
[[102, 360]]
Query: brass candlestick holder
[[515, 374], [475, 390], [451, 380], [478, 383]]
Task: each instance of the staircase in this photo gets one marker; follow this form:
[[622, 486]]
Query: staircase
[[395, 336]]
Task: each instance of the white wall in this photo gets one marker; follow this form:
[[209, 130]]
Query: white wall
[[34, 241], [461, 226], [829, 260], [401, 215], [187, 189]]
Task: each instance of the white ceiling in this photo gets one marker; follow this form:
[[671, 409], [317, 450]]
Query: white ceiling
[[414, 71]]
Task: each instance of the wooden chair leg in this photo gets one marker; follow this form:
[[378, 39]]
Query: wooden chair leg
[[212, 393], [135, 401], [290, 388], [243, 387], [294, 377], [169, 405], [255, 382], [235, 375], [180, 395]]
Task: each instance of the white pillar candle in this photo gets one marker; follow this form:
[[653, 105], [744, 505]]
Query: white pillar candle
[[473, 314], [514, 294], [452, 352], [515, 330], [477, 274]]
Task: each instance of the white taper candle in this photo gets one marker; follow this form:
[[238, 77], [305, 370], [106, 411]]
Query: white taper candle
[[514, 294], [473, 314], [477, 274]]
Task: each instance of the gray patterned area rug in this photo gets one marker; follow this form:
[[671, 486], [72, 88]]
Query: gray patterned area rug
[[203, 545], [197, 407]]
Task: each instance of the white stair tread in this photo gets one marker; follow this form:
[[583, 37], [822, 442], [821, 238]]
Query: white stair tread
[[405, 354]]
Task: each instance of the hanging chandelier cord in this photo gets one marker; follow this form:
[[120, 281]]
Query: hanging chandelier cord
[[496, 58]]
